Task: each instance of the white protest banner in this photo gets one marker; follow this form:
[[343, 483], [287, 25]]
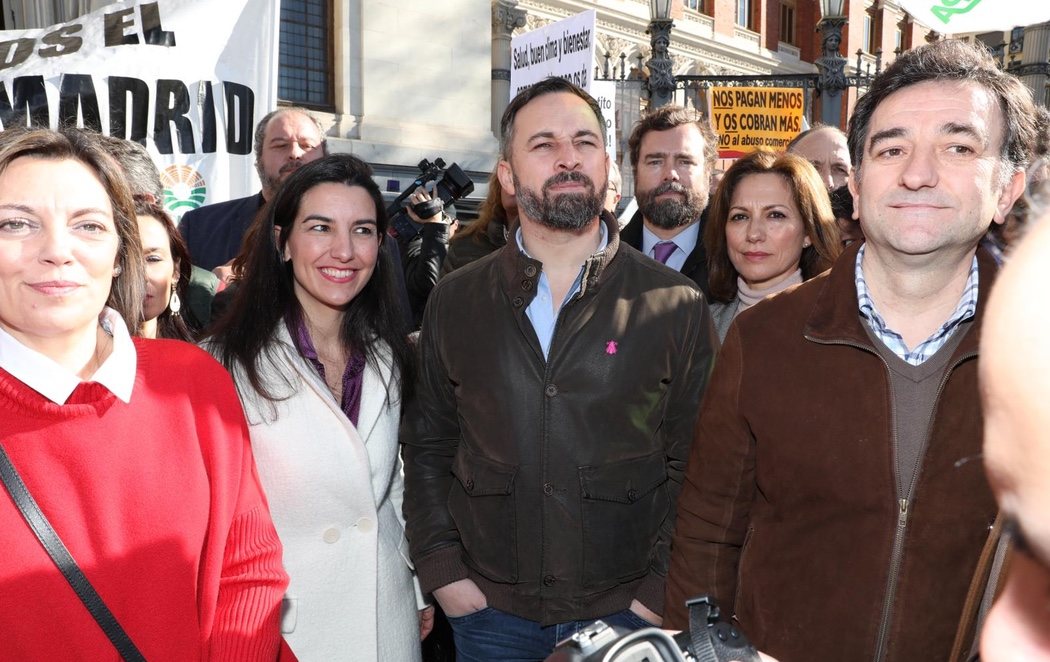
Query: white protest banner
[[564, 49], [604, 92], [961, 16], [186, 78]]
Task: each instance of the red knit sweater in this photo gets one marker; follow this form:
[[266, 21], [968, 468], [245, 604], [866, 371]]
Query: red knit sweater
[[159, 503]]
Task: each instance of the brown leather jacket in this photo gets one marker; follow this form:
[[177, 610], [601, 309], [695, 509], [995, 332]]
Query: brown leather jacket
[[552, 483], [790, 506]]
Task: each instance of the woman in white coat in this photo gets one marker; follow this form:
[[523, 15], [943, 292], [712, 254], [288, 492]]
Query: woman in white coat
[[316, 347]]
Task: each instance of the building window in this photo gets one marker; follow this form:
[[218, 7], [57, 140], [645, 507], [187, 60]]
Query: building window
[[1016, 40], [898, 40], [787, 23], [305, 62], [695, 5], [870, 30], [743, 13]]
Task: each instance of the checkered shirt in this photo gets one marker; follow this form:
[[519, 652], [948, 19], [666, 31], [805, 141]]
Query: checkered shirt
[[964, 310]]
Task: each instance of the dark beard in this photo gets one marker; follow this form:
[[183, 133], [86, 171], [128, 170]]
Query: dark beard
[[672, 212], [273, 183], [567, 211]]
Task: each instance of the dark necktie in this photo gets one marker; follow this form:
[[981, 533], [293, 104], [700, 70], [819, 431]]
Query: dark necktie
[[662, 250]]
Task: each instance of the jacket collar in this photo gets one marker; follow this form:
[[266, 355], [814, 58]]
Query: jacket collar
[[498, 231], [835, 317], [373, 388], [631, 234], [520, 273]]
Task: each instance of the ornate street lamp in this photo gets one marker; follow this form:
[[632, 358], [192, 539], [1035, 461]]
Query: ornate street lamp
[[832, 65], [661, 68]]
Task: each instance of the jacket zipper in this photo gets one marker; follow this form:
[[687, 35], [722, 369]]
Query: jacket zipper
[[897, 557], [903, 500]]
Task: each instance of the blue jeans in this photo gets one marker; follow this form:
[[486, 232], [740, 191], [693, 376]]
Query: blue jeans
[[491, 635]]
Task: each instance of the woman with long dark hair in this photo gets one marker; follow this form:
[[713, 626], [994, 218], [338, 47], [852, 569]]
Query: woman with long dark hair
[[770, 227], [318, 351], [168, 273]]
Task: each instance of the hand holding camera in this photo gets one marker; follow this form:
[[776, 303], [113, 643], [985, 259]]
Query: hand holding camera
[[422, 207], [440, 184]]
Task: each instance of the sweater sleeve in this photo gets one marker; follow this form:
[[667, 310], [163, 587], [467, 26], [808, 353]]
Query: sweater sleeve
[[715, 502], [242, 577]]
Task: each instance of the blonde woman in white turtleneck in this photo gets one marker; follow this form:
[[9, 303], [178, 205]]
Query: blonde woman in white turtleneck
[[770, 227]]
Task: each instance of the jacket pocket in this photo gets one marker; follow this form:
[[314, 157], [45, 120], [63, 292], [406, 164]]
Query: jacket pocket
[[481, 502], [623, 505]]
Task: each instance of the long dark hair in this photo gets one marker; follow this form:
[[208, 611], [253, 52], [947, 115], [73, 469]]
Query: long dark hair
[[809, 196], [170, 325], [265, 296]]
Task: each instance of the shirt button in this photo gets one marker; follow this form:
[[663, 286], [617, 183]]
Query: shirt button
[[331, 536], [548, 489], [518, 302], [632, 494], [530, 270], [526, 285], [365, 525], [470, 485], [549, 580], [551, 390]]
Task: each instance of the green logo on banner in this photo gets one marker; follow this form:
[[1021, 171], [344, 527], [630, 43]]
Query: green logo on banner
[[184, 189], [949, 8]]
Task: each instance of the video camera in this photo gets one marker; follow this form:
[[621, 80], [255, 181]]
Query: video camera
[[449, 184], [708, 638]]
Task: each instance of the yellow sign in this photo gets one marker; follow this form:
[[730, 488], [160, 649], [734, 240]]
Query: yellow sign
[[749, 118]]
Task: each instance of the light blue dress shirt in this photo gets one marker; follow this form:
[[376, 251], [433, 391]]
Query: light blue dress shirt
[[684, 240], [540, 312]]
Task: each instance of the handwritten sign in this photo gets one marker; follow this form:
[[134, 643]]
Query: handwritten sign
[[564, 49]]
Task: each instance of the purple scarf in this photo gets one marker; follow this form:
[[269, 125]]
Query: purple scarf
[[353, 375]]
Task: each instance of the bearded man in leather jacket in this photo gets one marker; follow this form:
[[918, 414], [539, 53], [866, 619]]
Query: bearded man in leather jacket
[[559, 383]]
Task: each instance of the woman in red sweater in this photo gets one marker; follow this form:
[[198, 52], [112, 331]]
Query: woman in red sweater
[[135, 450]]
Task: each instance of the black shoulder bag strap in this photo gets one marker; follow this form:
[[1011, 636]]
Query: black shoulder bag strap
[[62, 558]]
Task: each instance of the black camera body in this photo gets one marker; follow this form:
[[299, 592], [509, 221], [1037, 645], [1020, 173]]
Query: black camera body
[[708, 638], [449, 184]]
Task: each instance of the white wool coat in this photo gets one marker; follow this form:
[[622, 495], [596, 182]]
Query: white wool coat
[[335, 493]]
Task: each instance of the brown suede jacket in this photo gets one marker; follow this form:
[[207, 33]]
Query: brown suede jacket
[[789, 511], [552, 483]]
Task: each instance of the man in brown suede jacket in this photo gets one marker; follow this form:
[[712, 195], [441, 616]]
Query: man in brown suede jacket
[[833, 500]]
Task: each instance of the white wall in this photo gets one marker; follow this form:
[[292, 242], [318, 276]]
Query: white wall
[[415, 82]]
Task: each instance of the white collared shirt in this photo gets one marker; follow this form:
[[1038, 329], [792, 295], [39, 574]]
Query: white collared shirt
[[685, 241], [55, 382]]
